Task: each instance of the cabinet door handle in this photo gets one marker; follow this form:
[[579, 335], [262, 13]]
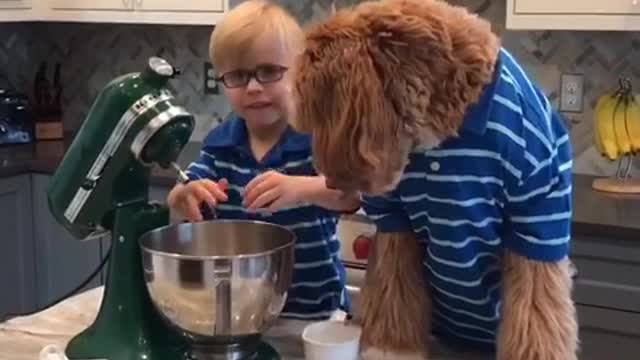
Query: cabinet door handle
[[139, 3], [126, 3]]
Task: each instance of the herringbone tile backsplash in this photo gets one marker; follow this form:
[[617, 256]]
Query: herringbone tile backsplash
[[93, 54]]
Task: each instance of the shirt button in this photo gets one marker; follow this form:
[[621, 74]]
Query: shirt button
[[435, 166]]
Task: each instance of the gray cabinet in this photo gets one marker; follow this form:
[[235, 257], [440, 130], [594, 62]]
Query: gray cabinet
[[608, 334], [17, 260], [39, 260], [607, 292], [62, 261], [159, 193], [156, 193]]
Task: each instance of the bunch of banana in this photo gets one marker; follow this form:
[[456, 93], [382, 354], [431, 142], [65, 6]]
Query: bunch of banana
[[616, 130]]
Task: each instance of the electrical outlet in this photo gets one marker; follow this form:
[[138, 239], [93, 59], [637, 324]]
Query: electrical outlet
[[571, 92], [210, 83]]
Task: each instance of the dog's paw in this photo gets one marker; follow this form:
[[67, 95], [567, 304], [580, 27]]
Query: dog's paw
[[372, 353]]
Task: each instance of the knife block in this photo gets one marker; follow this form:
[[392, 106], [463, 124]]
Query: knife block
[[49, 128]]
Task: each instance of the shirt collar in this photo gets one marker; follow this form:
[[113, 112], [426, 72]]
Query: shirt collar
[[477, 115], [233, 133]]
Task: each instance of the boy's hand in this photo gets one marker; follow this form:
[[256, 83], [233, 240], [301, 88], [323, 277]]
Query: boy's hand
[[186, 199], [273, 191]]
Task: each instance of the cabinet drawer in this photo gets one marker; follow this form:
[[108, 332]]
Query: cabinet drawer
[[607, 273], [606, 294], [17, 263], [608, 334], [15, 4], [612, 249], [603, 282], [584, 7], [63, 261], [600, 15], [606, 270], [159, 194], [114, 5], [181, 6]]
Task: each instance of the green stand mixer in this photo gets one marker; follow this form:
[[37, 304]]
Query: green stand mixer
[[172, 290]]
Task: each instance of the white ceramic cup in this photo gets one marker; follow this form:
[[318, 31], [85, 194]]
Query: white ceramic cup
[[331, 340]]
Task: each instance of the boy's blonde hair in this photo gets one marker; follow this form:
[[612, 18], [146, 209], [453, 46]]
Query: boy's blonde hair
[[233, 37]]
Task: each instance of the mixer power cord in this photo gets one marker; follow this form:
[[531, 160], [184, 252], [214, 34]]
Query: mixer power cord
[[69, 294]]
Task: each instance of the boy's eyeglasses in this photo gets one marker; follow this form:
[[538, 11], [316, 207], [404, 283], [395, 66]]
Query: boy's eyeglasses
[[263, 74]]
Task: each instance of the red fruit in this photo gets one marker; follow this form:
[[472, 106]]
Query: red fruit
[[361, 247]]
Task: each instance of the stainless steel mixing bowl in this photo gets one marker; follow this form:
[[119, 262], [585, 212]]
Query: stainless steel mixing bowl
[[219, 281]]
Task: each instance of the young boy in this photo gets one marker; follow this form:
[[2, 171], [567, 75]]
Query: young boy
[[254, 166]]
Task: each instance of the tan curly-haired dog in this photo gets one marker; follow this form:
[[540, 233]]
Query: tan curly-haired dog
[[386, 80]]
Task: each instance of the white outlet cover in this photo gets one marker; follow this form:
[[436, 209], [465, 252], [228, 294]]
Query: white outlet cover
[[571, 92]]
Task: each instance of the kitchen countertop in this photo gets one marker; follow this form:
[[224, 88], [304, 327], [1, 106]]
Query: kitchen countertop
[[594, 213], [23, 338], [604, 215], [597, 214]]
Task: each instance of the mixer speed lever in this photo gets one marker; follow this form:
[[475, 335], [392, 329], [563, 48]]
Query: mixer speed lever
[[182, 176]]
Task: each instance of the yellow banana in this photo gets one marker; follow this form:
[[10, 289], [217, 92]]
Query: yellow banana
[[605, 128], [597, 112], [616, 122], [620, 126], [633, 122]]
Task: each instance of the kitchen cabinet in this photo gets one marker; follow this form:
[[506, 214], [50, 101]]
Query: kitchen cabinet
[[139, 5], [607, 272], [39, 260], [608, 334], [117, 5], [159, 193], [607, 293], [62, 261], [17, 255], [16, 10], [186, 12], [194, 12], [181, 6], [156, 193], [15, 4], [622, 15]]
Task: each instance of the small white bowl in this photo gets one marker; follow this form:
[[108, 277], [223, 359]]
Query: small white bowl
[[329, 340]]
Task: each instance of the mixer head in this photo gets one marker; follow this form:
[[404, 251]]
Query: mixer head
[[132, 125]]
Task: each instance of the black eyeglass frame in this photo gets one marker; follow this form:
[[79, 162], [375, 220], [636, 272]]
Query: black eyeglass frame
[[252, 74]]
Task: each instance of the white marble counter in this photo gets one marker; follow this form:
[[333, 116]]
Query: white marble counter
[[23, 338]]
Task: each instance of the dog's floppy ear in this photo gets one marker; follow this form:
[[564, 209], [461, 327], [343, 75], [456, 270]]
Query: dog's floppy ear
[[384, 76], [433, 59], [338, 92]]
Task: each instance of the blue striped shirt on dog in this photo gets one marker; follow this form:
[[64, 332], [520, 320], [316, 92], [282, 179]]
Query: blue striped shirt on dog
[[317, 287], [505, 183]]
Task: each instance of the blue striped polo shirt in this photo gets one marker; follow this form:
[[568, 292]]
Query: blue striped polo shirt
[[317, 287], [503, 184]]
